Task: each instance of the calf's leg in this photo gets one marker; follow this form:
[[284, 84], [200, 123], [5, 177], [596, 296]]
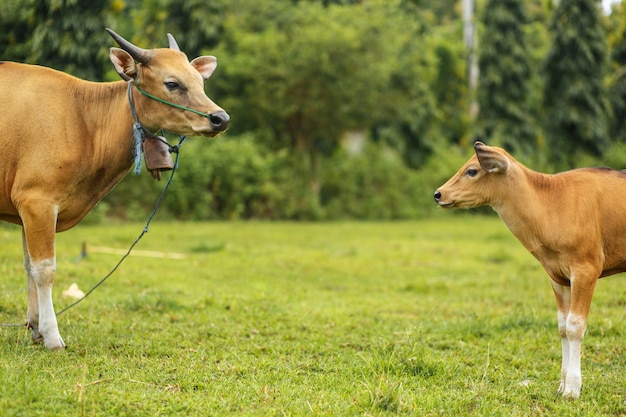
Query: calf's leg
[[563, 297], [573, 304]]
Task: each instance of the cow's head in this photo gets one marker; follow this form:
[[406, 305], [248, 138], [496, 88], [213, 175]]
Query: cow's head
[[481, 181], [167, 75]]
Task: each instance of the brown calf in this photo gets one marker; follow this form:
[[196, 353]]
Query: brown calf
[[572, 222], [66, 142]]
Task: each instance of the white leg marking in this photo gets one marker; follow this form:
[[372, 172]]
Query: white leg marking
[[32, 314], [42, 273], [564, 349], [563, 296], [576, 326]]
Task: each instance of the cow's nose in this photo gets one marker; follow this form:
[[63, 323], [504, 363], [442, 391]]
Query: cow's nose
[[437, 195], [219, 120]]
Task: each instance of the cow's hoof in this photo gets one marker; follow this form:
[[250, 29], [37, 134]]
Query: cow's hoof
[[55, 344], [571, 393]]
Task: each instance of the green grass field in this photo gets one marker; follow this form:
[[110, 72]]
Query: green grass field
[[441, 317]]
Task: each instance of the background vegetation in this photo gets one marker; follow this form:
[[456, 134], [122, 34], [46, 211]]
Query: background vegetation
[[439, 317], [340, 110], [348, 108]]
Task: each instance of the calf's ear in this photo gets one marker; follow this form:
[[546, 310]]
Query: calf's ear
[[490, 159], [124, 63], [205, 65]]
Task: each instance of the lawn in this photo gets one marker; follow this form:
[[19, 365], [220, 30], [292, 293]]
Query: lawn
[[442, 317]]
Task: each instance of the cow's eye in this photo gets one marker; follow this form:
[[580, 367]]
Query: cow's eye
[[172, 85], [472, 172]]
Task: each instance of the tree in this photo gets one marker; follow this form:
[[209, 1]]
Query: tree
[[575, 98], [64, 34], [196, 24], [15, 29], [303, 75], [451, 92], [505, 75], [617, 92]]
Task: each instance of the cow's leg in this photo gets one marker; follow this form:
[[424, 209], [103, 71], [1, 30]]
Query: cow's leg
[[579, 296], [32, 314], [40, 264], [563, 297]]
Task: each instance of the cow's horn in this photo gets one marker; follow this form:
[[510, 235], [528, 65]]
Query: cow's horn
[[173, 44], [140, 54]]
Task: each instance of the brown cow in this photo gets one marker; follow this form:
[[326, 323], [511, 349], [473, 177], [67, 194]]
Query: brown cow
[[66, 142], [572, 222]]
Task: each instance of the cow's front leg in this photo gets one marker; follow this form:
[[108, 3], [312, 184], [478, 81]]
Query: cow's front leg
[[43, 275], [32, 314], [40, 265]]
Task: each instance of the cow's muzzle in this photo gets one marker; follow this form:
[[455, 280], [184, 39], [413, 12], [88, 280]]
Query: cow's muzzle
[[438, 196], [219, 121]]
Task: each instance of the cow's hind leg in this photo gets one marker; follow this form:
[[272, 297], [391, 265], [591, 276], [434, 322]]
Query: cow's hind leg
[[40, 265]]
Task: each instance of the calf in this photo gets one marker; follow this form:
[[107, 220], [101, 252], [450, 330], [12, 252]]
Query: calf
[[572, 222]]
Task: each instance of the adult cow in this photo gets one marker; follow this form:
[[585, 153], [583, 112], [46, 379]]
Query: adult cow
[[66, 142]]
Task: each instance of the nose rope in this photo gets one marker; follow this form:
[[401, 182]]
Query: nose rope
[[169, 103]]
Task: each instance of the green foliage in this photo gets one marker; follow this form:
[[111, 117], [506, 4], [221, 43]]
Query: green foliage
[[64, 34], [299, 76], [237, 178], [450, 86], [196, 24], [374, 184], [617, 85], [505, 74], [15, 29], [304, 75], [575, 97], [229, 179]]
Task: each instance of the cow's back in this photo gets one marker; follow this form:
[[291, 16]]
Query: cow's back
[[35, 100], [587, 205]]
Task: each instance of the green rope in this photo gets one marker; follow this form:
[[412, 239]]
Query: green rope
[[169, 103]]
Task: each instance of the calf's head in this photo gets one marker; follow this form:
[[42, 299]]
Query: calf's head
[[167, 74], [480, 181]]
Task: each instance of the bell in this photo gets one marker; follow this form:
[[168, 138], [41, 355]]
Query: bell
[[157, 155]]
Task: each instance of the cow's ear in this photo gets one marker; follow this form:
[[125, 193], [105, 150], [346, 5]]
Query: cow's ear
[[124, 63], [490, 159], [205, 65]]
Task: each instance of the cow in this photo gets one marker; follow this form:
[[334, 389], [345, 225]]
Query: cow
[[67, 142], [572, 222]]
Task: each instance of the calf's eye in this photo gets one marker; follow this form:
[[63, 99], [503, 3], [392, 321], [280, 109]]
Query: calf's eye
[[472, 172]]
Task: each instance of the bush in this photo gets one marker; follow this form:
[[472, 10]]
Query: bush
[[234, 178], [375, 184]]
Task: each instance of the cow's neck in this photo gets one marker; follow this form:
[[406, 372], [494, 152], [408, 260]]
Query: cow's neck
[[107, 146], [525, 215], [109, 119]]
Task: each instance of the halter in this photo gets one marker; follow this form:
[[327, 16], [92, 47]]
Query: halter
[[139, 132], [169, 103]]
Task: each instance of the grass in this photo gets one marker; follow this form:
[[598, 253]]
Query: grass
[[441, 317]]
